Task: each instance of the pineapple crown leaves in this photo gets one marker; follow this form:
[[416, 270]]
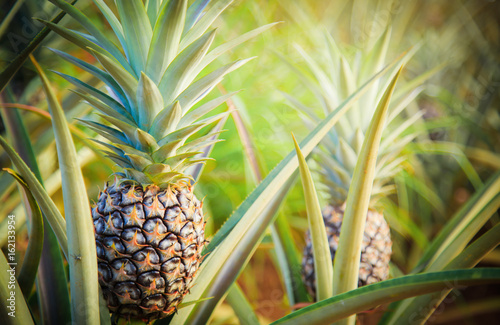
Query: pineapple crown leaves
[[153, 81], [332, 80]]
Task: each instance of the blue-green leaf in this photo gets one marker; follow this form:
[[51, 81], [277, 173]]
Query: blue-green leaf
[[137, 32], [112, 20], [206, 20], [179, 73], [166, 38], [103, 40], [361, 299]]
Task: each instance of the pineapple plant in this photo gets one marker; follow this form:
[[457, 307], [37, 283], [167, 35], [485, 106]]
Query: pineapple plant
[[337, 155], [459, 246], [149, 225]]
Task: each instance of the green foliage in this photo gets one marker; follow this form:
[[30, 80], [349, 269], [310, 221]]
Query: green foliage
[[441, 201]]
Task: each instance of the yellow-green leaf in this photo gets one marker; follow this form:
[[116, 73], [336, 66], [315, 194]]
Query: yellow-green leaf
[[347, 257], [29, 268], [321, 249]]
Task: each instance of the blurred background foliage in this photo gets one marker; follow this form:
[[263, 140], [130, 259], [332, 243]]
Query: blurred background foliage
[[460, 103]]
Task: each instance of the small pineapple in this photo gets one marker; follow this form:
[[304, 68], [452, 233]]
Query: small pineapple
[[149, 225], [375, 254], [338, 153]]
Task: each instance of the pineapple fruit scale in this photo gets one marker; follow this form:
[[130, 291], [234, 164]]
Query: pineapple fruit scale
[[149, 225]]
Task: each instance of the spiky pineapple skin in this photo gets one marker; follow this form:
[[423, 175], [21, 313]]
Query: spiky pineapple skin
[[375, 254], [149, 243]]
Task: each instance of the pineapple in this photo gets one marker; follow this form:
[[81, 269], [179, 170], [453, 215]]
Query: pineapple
[[333, 78], [375, 253], [149, 225]]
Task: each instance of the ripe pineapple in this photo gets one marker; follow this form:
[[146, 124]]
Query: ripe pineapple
[[332, 80], [149, 225]]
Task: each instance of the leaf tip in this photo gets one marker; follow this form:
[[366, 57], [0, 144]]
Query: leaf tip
[[297, 147]]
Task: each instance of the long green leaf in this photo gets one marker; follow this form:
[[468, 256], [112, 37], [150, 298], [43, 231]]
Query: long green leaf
[[289, 260], [455, 235], [242, 308], [81, 248], [166, 38], [46, 204], [29, 268], [128, 83], [347, 86], [375, 61], [243, 229], [112, 20], [180, 72], [9, 72], [377, 55], [245, 138], [221, 276], [206, 20], [149, 101], [464, 232], [10, 15], [102, 75], [284, 245], [194, 12], [126, 80], [82, 40], [137, 31], [87, 23], [361, 299], [100, 106], [97, 94], [103, 310], [323, 268], [52, 284], [152, 8], [461, 219], [456, 152], [347, 258], [425, 305], [483, 156], [196, 170]]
